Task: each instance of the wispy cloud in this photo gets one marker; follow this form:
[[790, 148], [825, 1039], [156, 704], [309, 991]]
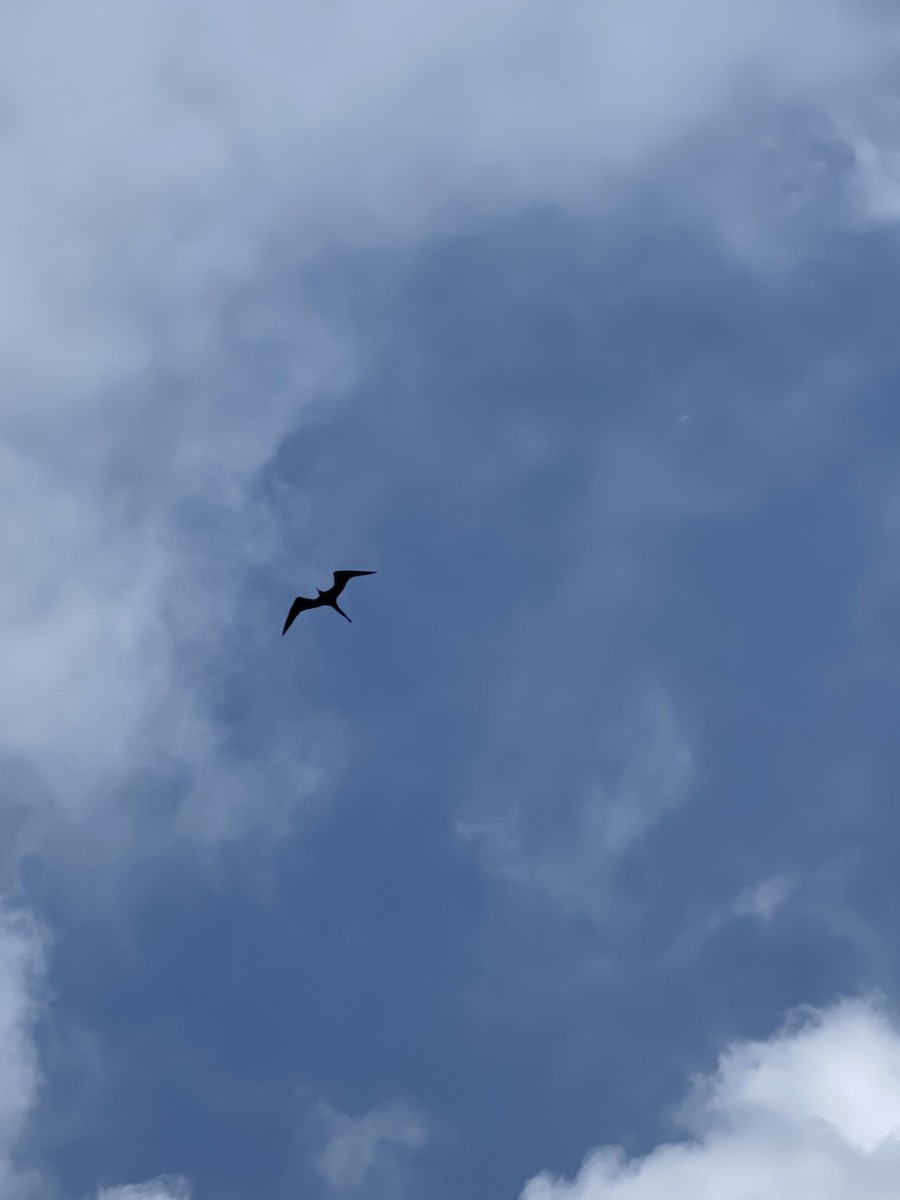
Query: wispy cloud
[[761, 901], [363, 1151], [573, 859], [764, 899]]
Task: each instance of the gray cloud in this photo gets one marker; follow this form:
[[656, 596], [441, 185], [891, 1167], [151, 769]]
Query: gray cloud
[[23, 946], [160, 159], [164, 165]]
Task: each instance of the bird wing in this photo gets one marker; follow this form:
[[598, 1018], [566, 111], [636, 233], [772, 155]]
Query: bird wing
[[301, 603], [341, 577]]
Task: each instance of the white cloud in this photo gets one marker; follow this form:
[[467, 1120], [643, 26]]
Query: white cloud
[[164, 1188], [360, 1147], [811, 1114]]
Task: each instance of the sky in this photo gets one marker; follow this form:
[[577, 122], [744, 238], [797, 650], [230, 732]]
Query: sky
[[567, 871]]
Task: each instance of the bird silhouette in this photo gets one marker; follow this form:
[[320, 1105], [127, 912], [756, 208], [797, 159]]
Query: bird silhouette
[[327, 598]]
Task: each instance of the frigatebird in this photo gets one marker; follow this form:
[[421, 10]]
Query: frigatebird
[[328, 597]]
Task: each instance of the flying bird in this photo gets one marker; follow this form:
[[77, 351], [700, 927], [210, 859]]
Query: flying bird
[[328, 597]]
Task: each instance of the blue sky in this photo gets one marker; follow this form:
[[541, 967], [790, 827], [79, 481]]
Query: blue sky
[[567, 871]]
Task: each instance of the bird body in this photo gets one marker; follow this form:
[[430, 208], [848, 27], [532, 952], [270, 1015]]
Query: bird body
[[328, 598]]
